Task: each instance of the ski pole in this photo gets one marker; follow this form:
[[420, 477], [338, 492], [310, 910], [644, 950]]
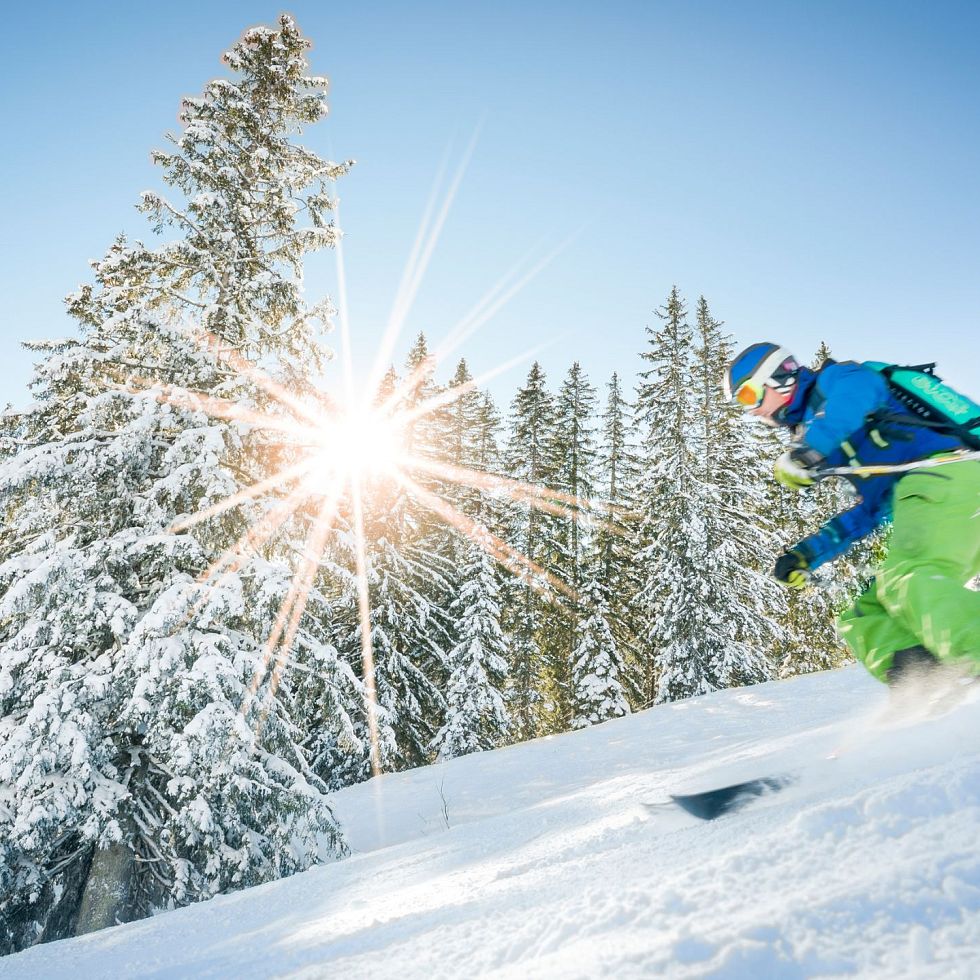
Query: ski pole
[[882, 469]]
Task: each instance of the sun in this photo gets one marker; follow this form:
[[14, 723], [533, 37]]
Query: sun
[[359, 443]]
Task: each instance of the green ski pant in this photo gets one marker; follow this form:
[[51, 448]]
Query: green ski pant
[[919, 594]]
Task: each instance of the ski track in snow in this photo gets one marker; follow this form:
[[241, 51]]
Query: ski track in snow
[[551, 866]]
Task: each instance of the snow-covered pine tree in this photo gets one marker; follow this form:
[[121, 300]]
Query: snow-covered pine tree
[[476, 714], [461, 444], [616, 485], [425, 435], [604, 681], [573, 453], [487, 426], [670, 528], [138, 769], [473, 442], [431, 543], [408, 642], [528, 459], [742, 603], [599, 674]]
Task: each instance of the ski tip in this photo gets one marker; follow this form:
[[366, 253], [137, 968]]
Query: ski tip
[[714, 803], [658, 807]]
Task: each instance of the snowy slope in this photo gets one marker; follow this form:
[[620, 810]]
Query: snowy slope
[[539, 860]]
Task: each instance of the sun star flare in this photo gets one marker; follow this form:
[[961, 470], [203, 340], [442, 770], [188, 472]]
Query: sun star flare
[[359, 443], [340, 454]]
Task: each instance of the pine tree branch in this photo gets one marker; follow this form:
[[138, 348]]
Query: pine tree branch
[[143, 366], [56, 869], [179, 215], [184, 299], [163, 802]]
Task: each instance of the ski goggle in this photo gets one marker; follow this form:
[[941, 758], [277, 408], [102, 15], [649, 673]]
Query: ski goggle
[[749, 394]]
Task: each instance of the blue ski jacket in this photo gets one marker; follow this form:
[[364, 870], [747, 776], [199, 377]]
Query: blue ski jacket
[[842, 412]]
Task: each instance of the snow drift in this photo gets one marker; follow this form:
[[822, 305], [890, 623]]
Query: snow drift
[[541, 859]]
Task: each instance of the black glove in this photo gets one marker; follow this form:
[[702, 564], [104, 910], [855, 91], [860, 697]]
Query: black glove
[[806, 457], [909, 663], [792, 570]]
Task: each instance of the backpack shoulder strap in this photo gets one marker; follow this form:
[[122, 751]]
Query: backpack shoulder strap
[[889, 369]]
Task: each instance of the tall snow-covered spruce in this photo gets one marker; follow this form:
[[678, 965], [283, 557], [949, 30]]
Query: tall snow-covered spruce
[[670, 527], [606, 681], [529, 459], [705, 542], [741, 600], [476, 713], [584, 669], [617, 488], [147, 757]]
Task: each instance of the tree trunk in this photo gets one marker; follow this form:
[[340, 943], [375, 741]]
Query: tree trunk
[[107, 898]]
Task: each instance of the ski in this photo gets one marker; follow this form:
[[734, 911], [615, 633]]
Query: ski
[[922, 699], [714, 803]]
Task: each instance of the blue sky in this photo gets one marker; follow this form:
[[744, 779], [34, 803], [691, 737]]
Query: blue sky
[[811, 168]]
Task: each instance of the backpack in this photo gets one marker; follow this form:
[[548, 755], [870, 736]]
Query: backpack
[[932, 403]]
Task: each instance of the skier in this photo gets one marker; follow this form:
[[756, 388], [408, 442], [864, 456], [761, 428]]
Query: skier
[[916, 613]]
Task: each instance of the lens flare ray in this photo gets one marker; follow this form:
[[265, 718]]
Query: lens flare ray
[[509, 556], [551, 501], [415, 270], [221, 408], [364, 618], [453, 394], [249, 493]]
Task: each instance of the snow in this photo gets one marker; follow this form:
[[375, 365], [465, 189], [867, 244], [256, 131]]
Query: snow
[[540, 860]]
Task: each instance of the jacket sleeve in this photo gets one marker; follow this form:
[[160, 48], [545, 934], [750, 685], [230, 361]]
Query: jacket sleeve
[[840, 532], [845, 395]]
